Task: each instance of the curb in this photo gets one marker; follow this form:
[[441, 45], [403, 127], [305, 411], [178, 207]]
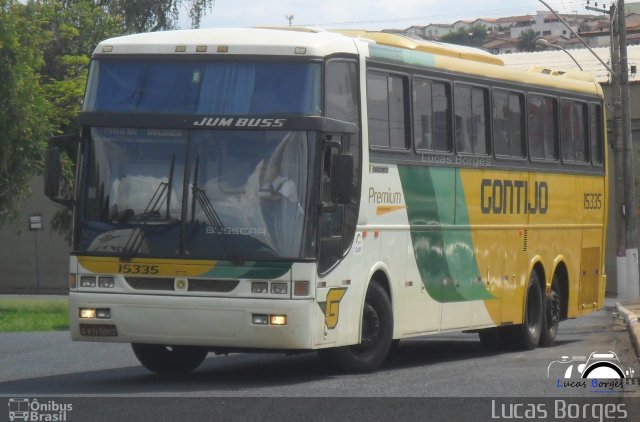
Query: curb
[[633, 325]]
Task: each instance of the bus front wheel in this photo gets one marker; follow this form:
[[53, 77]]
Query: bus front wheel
[[377, 333], [169, 360]]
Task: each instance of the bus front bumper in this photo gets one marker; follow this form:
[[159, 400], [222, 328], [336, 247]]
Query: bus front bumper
[[193, 321]]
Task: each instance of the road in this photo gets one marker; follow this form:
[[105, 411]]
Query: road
[[436, 366]]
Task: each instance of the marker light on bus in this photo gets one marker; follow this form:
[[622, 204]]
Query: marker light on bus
[[301, 288], [278, 319], [106, 282], [259, 287], [279, 288], [73, 281], [87, 281]]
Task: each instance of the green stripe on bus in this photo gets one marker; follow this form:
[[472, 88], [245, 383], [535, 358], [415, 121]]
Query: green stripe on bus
[[416, 58], [446, 259], [259, 270]]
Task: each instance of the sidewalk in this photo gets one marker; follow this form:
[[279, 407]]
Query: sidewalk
[[629, 310]]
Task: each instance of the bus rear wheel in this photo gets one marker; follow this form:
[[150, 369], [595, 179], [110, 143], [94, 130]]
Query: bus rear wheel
[[527, 335], [169, 360], [552, 315], [377, 333]]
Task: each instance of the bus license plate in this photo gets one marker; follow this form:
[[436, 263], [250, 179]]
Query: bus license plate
[[101, 330]]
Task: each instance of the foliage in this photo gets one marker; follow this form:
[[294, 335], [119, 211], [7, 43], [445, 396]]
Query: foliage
[[527, 40], [155, 15], [474, 36], [45, 50], [24, 120]]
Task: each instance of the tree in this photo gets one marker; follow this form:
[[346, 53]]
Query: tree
[[474, 36], [155, 15], [24, 119], [527, 40], [45, 49]]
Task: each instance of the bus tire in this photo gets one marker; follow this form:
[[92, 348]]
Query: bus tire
[[527, 335], [552, 315], [377, 333], [169, 360]]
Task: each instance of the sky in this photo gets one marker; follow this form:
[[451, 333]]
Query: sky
[[371, 14]]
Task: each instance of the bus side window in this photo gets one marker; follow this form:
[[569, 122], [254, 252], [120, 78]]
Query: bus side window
[[574, 133], [431, 104], [341, 91], [386, 104], [470, 105], [597, 139], [508, 124]]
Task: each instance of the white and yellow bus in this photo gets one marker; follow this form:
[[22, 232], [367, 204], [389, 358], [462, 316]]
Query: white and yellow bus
[[297, 190]]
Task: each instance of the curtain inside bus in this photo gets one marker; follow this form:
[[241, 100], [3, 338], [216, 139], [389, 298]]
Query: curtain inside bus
[[197, 87]]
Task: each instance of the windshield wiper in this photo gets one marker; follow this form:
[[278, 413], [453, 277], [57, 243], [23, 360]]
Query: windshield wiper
[[163, 190], [200, 196]]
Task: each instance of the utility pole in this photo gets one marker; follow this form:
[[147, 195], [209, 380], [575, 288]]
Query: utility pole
[[617, 145], [625, 201], [631, 252]]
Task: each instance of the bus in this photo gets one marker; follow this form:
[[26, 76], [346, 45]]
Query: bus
[[298, 189]]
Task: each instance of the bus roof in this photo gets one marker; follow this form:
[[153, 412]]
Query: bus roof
[[257, 41], [305, 41]]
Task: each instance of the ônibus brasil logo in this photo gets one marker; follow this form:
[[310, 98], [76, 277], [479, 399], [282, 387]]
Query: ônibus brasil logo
[[24, 409]]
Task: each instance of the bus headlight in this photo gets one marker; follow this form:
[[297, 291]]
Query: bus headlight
[[259, 287], [279, 288], [87, 313], [87, 281], [106, 282], [278, 319]]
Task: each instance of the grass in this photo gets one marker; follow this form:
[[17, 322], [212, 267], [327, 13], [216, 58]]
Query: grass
[[22, 315]]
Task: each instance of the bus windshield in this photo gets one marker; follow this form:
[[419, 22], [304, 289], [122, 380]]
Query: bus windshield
[[215, 194], [204, 87]]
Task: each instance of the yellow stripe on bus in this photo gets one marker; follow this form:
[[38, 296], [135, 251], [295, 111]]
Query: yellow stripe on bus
[[147, 266]]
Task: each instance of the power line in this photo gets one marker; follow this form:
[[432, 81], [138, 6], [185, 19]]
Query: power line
[[567, 7]]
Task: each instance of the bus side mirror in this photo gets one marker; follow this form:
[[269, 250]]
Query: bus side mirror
[[342, 178], [53, 168], [52, 172]]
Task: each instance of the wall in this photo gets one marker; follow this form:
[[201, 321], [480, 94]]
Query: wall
[[33, 261]]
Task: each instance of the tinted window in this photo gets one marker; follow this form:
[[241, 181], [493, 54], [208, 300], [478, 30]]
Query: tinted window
[[543, 138], [341, 85], [225, 88], [508, 124], [573, 130], [597, 138], [431, 115], [470, 119], [386, 110]]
